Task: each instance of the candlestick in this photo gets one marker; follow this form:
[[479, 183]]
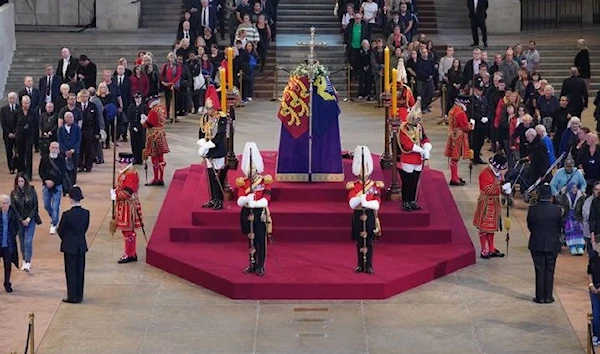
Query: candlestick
[[394, 93], [223, 90], [230, 68], [386, 70]]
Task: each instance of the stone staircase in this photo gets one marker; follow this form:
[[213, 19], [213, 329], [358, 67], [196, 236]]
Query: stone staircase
[[450, 16], [295, 16], [161, 14], [427, 11], [30, 60]]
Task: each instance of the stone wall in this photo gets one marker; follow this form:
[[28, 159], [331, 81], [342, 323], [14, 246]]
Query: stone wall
[[54, 12], [504, 16], [7, 43], [117, 15]]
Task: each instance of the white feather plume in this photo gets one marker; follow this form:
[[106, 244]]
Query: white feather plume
[[357, 161], [257, 161]]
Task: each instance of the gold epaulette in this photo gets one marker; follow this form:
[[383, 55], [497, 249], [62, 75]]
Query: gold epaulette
[[240, 181], [268, 179], [379, 184], [222, 114], [349, 185]]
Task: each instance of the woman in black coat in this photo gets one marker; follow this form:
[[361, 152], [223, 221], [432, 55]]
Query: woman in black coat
[[24, 200], [27, 121], [8, 242], [582, 62]]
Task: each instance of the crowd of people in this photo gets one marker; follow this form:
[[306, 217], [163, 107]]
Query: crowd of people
[[198, 55]]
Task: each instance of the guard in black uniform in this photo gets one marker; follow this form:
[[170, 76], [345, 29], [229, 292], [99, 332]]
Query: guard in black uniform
[[213, 148], [364, 197], [71, 230], [136, 129], [254, 195], [479, 111]]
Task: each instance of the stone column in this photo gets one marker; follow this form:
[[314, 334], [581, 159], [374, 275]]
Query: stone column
[[7, 42], [504, 16], [117, 15]]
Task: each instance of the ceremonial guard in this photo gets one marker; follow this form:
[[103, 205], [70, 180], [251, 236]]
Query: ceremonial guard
[[156, 139], [254, 194], [128, 209], [415, 149], [406, 99], [487, 213], [213, 148], [136, 111], [364, 197], [457, 145]]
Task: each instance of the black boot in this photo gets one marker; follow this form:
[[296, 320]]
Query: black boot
[[414, 206], [406, 206], [260, 271], [359, 269], [213, 194], [250, 269]]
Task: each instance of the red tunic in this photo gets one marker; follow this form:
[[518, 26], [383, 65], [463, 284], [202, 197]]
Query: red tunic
[[487, 212], [128, 208], [409, 135], [261, 189], [405, 101], [372, 190], [156, 139], [457, 145]]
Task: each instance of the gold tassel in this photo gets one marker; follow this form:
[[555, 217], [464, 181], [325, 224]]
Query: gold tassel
[[507, 223]]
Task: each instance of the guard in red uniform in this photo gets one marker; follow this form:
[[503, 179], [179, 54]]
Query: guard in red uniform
[[254, 194], [364, 197], [488, 210], [128, 209], [415, 149], [457, 145], [156, 139]]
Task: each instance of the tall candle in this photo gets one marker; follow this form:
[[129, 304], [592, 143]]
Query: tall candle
[[223, 90], [394, 93], [230, 68], [386, 73]]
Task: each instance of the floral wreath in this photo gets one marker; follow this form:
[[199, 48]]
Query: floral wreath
[[303, 70]]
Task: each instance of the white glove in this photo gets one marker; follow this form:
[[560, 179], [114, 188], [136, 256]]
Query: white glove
[[201, 142], [113, 194], [426, 154], [261, 203], [506, 188], [484, 120], [354, 202], [417, 148], [427, 147], [242, 201], [135, 129], [202, 152], [363, 198], [372, 204], [143, 118], [472, 121]]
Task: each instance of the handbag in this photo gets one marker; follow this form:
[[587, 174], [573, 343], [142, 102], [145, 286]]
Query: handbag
[[199, 82]]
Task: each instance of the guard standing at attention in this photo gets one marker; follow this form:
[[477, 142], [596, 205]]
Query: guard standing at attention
[[364, 197], [254, 194]]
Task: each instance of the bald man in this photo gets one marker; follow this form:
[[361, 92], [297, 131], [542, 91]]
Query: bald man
[[575, 89], [67, 66], [34, 95]]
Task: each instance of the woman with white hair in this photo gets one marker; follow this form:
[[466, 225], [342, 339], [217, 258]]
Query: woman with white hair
[[582, 62], [540, 129], [9, 228], [569, 137], [61, 100]]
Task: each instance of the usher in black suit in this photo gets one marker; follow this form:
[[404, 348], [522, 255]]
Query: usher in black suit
[[9, 126], [71, 230], [478, 15]]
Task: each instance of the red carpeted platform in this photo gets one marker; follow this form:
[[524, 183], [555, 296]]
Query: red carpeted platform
[[313, 256]]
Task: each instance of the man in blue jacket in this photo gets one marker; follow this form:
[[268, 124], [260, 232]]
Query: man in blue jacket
[[567, 174]]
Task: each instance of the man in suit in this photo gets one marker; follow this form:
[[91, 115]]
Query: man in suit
[[49, 86], [71, 230], [575, 89], [124, 87], [90, 132], [8, 239], [34, 95], [87, 71], [207, 17], [185, 32], [544, 221], [9, 127], [69, 140], [67, 66], [478, 15], [99, 109]]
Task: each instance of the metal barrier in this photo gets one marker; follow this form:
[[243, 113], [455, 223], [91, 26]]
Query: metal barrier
[[537, 14], [589, 348]]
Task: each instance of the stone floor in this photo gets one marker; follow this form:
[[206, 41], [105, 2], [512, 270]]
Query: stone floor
[[485, 308]]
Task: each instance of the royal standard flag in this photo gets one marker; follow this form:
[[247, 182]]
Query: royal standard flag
[[293, 112], [325, 105]]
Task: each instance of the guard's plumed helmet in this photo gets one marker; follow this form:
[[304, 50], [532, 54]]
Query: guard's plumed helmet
[[415, 114], [402, 77], [257, 161], [357, 162]]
